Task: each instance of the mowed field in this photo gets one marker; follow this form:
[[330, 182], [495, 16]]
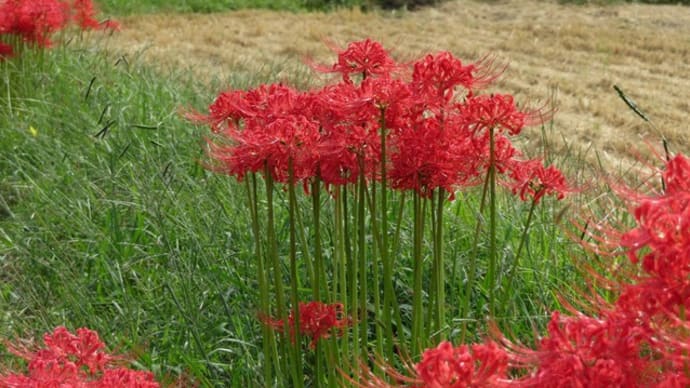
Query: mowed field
[[570, 54]]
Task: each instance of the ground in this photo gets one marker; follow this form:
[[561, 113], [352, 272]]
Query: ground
[[570, 54]]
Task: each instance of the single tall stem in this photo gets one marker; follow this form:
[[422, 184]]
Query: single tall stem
[[523, 239], [417, 308], [362, 260], [275, 261], [439, 270], [298, 372], [491, 275], [269, 345], [386, 258]]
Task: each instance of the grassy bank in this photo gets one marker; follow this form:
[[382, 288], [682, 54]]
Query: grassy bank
[[108, 220]]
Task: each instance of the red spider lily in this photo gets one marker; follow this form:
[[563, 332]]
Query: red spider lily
[[582, 351], [272, 148], [498, 111], [365, 57], [436, 76], [424, 159], [504, 158], [73, 360], [532, 180], [445, 366], [83, 14], [35, 21], [6, 51], [663, 226], [479, 365], [317, 320]]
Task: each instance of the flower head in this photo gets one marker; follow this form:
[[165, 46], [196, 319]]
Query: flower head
[[532, 180], [317, 320], [73, 360], [366, 58], [478, 365], [436, 76]]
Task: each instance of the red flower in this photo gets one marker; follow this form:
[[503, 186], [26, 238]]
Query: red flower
[[366, 57], [496, 111], [663, 226], [6, 51], [424, 159], [84, 14], [436, 76], [73, 360], [479, 365], [35, 21], [531, 179], [317, 320], [583, 351]]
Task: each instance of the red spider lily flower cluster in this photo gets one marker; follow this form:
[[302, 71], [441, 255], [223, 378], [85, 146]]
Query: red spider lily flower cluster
[[317, 320], [448, 366], [479, 365], [640, 340], [35, 21], [437, 131], [73, 360]]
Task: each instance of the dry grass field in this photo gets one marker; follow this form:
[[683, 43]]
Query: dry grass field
[[569, 53]]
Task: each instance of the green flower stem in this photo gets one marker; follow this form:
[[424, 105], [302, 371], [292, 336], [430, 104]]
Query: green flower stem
[[320, 271], [386, 258], [376, 273], [269, 345], [417, 308], [353, 267], [340, 277], [395, 307], [491, 272], [277, 276], [523, 240], [298, 370], [472, 270], [438, 274], [362, 261]]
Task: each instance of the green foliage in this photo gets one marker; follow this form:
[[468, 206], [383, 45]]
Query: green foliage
[[120, 7], [407, 4], [609, 2], [110, 222], [126, 7]]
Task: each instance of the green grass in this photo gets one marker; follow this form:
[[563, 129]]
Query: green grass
[[108, 220], [126, 7]]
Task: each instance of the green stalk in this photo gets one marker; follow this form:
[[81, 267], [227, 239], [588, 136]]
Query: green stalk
[[269, 345], [362, 261], [376, 291], [491, 273], [471, 272], [319, 274], [277, 276], [417, 311], [440, 290], [306, 254], [353, 267], [298, 370], [377, 239], [386, 259], [523, 239], [341, 260]]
